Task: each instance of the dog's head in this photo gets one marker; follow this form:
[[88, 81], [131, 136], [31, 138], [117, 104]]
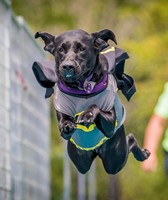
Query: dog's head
[[76, 52]]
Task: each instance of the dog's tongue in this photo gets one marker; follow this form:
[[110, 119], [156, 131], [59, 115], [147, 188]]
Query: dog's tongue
[[68, 75]]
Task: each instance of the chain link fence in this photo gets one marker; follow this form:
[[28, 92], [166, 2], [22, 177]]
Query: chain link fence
[[24, 114]]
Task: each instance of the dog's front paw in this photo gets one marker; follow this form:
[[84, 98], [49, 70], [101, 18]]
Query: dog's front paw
[[67, 128], [88, 117], [85, 118]]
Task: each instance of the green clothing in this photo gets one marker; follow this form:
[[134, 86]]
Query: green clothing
[[161, 109]]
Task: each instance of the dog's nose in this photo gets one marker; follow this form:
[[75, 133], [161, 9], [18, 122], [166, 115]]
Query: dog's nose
[[68, 67]]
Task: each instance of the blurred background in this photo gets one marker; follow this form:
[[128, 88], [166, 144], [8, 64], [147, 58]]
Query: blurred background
[[141, 29]]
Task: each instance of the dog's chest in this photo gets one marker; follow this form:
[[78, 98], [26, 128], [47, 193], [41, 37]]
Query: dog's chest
[[72, 105], [90, 137]]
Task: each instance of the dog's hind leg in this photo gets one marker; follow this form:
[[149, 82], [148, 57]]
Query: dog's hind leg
[[82, 159], [139, 154], [114, 152]]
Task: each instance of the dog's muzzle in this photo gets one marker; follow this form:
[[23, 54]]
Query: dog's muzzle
[[68, 72]]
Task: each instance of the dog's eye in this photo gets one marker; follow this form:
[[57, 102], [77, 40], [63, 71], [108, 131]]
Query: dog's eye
[[61, 49], [82, 48]]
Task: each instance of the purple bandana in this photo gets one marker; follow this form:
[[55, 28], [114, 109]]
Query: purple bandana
[[89, 88]]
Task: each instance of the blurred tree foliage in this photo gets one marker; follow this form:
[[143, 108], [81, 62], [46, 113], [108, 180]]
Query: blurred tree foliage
[[142, 30]]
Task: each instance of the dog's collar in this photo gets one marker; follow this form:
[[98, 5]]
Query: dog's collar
[[88, 88]]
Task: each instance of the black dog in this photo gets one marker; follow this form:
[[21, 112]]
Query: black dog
[[89, 111]]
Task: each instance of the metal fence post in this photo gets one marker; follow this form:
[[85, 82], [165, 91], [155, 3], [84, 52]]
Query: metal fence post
[[66, 174], [114, 188], [92, 183], [81, 186]]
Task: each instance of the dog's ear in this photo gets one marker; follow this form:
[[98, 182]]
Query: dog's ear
[[101, 38], [48, 40]]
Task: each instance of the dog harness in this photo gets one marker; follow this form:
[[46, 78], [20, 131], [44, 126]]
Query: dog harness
[[75, 101], [88, 138]]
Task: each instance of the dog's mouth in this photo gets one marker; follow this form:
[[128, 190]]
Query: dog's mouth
[[69, 74]]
